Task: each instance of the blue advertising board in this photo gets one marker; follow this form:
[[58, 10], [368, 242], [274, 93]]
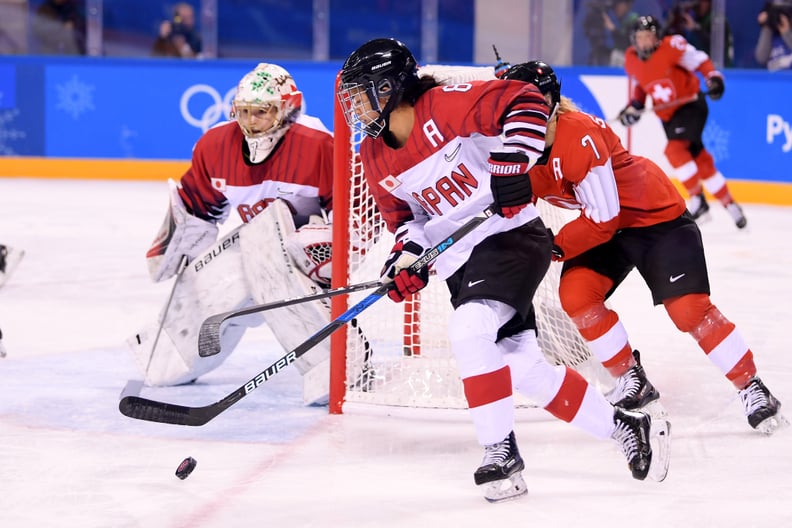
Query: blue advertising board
[[157, 109]]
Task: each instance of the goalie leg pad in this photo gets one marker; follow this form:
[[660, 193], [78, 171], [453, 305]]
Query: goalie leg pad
[[210, 284], [181, 234], [273, 276]]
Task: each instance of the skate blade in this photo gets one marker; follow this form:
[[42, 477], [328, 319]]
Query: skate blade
[[660, 440], [773, 424], [656, 410], [505, 489]]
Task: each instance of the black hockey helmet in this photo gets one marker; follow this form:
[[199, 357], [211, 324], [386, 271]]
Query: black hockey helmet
[[382, 68], [541, 75], [645, 23]]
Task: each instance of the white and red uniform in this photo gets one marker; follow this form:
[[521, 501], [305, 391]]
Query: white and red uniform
[[299, 171], [436, 182], [440, 178]]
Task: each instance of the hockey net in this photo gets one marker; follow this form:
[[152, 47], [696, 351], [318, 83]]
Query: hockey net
[[398, 353]]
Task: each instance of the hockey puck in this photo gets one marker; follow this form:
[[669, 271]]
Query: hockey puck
[[186, 467]]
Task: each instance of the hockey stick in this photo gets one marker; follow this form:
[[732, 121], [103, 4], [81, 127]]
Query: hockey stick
[[664, 106], [183, 263], [162, 412], [209, 334]]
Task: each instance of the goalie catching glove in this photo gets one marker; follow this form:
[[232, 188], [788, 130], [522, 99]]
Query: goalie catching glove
[[631, 113], [311, 248], [397, 269], [510, 184], [181, 234]]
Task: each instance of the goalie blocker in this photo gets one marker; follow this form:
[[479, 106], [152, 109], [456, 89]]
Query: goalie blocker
[[250, 265]]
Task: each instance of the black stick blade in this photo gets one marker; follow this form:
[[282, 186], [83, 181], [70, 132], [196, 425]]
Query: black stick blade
[[161, 412]]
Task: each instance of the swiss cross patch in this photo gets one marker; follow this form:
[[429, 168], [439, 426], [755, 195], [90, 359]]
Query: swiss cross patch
[[219, 184], [390, 183]]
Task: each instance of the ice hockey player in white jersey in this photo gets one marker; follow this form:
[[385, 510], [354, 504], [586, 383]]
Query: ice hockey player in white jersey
[[436, 156], [270, 168]]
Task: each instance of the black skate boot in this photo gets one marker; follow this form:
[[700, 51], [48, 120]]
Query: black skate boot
[[632, 434], [699, 208], [501, 471], [633, 390], [761, 407]]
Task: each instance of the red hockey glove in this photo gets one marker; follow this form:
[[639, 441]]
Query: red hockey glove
[[510, 184], [397, 270], [715, 86]]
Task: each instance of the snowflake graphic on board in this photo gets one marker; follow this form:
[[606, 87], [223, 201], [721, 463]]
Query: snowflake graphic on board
[[75, 97], [716, 140], [7, 132]]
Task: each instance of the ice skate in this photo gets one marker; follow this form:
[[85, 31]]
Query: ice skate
[[501, 471], [634, 391], [699, 208], [9, 258], [646, 445], [737, 215], [762, 408]]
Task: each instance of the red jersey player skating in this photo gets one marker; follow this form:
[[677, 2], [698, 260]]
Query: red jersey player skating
[[665, 70], [631, 216]]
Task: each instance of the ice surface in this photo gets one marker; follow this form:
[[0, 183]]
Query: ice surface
[[68, 458]]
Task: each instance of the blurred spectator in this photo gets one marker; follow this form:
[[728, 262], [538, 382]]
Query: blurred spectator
[[58, 28], [607, 26], [774, 47], [620, 29], [596, 32], [693, 20], [178, 37]]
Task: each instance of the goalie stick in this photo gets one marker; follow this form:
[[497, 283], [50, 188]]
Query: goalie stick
[[209, 334], [155, 411]]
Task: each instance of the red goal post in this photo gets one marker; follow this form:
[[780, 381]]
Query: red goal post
[[398, 353]]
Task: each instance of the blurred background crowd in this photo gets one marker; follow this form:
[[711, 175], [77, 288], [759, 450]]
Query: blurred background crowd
[[568, 32]]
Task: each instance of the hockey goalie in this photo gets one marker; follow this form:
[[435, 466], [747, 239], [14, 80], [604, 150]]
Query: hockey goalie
[[271, 166]]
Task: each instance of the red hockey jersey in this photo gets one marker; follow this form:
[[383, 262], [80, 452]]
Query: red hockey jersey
[[589, 169], [299, 171], [668, 74]]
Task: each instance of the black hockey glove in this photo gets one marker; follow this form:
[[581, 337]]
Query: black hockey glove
[[510, 183], [631, 113], [715, 86]]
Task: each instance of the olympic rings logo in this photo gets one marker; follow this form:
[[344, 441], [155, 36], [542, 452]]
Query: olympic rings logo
[[219, 109]]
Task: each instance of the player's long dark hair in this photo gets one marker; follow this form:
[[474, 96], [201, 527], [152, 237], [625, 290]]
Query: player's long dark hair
[[416, 90]]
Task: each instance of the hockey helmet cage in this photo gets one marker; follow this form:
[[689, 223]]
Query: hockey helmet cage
[[374, 79]]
